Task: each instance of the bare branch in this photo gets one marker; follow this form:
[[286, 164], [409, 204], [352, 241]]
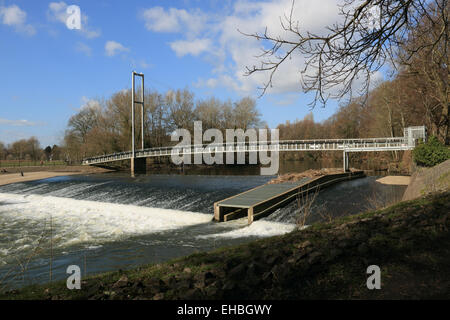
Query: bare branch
[[352, 50]]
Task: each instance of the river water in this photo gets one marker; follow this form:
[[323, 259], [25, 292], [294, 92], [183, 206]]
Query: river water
[[112, 221]]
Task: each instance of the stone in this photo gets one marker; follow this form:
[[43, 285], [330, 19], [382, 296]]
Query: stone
[[158, 296], [138, 287], [156, 284], [238, 271], [208, 277], [303, 244], [193, 294], [314, 257], [182, 285], [121, 283], [267, 276], [335, 253], [211, 292], [272, 259], [362, 248], [228, 286]]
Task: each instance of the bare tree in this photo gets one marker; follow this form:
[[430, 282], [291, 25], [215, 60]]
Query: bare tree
[[430, 67], [181, 108], [157, 118], [209, 112], [367, 37], [246, 115], [82, 122], [2, 151]]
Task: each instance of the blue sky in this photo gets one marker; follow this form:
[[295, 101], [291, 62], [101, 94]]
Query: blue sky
[[47, 72]]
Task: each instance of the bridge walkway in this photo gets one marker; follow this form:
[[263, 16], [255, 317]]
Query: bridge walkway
[[261, 201]]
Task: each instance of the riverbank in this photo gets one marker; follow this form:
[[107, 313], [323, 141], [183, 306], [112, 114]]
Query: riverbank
[[409, 241], [13, 175], [395, 180]]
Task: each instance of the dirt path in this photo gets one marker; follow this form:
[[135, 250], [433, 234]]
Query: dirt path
[[14, 175], [30, 176]]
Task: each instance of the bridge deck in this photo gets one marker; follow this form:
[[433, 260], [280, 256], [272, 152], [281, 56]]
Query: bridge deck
[[347, 145]]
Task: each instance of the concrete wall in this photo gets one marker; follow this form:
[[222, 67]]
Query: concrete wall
[[428, 180]]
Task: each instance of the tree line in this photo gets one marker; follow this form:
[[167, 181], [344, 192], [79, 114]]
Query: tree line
[[30, 149], [104, 126]]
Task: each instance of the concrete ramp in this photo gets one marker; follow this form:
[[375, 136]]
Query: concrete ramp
[[263, 200]]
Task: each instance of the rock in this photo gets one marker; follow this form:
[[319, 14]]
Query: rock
[[272, 258], [335, 253], [228, 285], [231, 263], [138, 287], [303, 244], [99, 296], [121, 283], [158, 296], [211, 292], [187, 270], [238, 271], [267, 276], [299, 255], [314, 257], [363, 248], [182, 285], [156, 285], [171, 281], [343, 244], [280, 271], [193, 294], [109, 294], [208, 277]]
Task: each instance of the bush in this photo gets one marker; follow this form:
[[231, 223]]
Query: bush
[[430, 153]]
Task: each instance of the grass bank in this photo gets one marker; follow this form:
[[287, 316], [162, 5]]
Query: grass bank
[[409, 241]]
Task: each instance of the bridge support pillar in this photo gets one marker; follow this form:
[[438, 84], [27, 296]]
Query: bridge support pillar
[[345, 161], [250, 215], [138, 165]]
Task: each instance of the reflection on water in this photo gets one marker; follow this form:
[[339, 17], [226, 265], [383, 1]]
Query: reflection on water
[[111, 221]]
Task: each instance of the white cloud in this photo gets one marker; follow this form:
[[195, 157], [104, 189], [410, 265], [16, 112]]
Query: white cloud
[[83, 48], [143, 64], [173, 20], [112, 48], [57, 12], [229, 51], [87, 103], [19, 123], [193, 47], [15, 17], [140, 63]]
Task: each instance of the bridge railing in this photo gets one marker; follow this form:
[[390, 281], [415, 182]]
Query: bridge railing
[[369, 144]]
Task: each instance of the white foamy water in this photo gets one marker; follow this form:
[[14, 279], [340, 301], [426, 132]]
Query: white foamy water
[[77, 221], [256, 229]]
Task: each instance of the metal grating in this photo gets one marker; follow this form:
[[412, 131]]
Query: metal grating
[[259, 194]]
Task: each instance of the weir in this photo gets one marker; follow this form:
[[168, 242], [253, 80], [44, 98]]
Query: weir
[[261, 201]]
